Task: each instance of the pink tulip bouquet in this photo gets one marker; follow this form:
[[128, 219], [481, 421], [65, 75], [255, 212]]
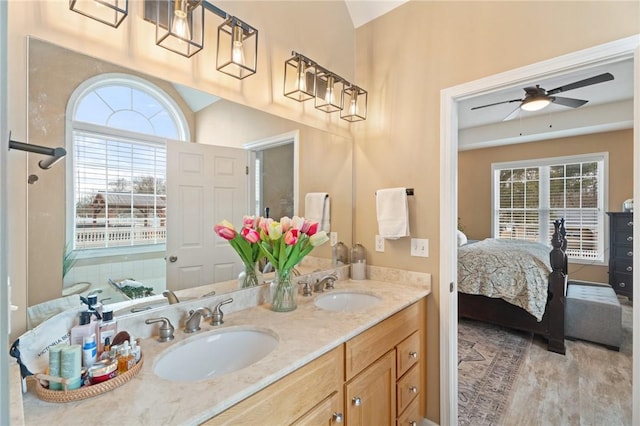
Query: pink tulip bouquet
[[246, 244], [284, 243]]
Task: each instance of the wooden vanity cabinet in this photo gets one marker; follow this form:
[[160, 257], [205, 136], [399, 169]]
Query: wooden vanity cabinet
[[299, 397], [375, 378], [385, 371]]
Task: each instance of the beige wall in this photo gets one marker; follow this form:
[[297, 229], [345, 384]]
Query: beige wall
[[474, 181], [405, 59]]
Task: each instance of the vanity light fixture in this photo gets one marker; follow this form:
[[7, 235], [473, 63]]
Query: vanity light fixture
[[304, 79], [110, 12], [354, 100], [180, 28], [300, 78], [237, 48]]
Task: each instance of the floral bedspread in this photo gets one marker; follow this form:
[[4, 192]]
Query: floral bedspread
[[513, 270]]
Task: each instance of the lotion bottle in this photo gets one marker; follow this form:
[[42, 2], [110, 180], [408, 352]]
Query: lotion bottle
[[86, 327], [89, 351]]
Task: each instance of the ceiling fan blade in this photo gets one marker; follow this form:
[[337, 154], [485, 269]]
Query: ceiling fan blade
[[497, 103], [512, 115], [582, 83], [569, 102]]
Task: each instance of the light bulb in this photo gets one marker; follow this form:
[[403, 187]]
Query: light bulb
[[180, 25], [328, 96], [353, 104], [237, 51], [302, 77]]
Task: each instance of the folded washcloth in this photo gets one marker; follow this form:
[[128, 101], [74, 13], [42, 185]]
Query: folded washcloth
[[318, 209], [393, 213]]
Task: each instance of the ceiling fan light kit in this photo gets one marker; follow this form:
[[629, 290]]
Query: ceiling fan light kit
[[537, 98]]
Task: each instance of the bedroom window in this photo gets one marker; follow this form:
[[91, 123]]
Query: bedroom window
[[118, 170], [530, 195]]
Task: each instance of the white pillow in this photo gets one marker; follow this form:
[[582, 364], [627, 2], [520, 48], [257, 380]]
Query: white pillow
[[462, 239]]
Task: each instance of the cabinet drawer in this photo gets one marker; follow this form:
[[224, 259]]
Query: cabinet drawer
[[408, 353], [410, 416], [622, 282], [623, 237], [621, 223], [408, 388], [623, 266], [367, 347], [327, 413], [620, 252]]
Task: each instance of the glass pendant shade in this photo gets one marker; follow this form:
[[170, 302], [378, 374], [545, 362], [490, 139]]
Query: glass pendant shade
[[180, 26], [535, 103], [354, 100], [110, 12], [328, 91], [299, 79], [237, 49]]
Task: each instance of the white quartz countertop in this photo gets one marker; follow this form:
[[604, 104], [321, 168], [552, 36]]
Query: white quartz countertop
[[304, 334]]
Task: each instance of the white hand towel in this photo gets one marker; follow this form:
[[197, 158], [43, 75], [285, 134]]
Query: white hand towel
[[393, 213], [318, 209]]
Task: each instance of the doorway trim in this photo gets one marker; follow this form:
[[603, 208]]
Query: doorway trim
[[270, 142], [605, 53]]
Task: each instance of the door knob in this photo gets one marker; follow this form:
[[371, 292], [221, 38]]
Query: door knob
[[357, 401], [173, 259], [338, 417]]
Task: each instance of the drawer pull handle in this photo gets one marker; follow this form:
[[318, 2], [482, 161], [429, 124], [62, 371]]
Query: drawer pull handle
[[630, 223], [630, 238], [413, 389], [338, 417], [413, 423], [622, 285], [413, 355], [629, 253], [357, 401], [629, 268]]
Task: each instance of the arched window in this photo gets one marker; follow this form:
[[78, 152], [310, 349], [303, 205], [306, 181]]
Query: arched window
[[117, 130]]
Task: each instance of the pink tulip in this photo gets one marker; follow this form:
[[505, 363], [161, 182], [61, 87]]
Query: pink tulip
[[264, 224], [249, 222], [297, 222], [313, 228], [291, 237], [250, 235], [225, 230], [286, 223]]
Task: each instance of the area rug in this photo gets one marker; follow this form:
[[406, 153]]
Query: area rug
[[489, 358]]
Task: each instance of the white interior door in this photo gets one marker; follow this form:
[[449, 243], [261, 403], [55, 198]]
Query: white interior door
[[205, 184]]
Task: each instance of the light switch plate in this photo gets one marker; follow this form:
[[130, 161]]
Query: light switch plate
[[379, 243], [333, 238], [420, 247]]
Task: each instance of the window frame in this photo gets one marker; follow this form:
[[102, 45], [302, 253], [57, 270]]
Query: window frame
[[543, 205], [88, 86]]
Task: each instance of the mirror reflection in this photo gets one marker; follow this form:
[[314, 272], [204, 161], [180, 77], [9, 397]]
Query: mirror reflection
[[151, 167]]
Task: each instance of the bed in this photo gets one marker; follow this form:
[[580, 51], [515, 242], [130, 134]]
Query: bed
[[516, 284]]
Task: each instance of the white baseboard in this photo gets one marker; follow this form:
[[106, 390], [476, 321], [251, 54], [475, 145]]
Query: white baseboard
[[427, 422]]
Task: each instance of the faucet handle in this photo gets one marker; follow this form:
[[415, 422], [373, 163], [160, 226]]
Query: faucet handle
[[216, 316], [306, 289], [165, 332], [330, 282]]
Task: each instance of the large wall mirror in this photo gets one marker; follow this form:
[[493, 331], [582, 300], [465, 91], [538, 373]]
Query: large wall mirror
[[69, 252]]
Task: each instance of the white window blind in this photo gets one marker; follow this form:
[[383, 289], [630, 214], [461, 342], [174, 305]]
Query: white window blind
[[120, 191], [529, 196]]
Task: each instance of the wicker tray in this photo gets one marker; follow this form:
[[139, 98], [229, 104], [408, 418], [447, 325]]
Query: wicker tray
[[85, 391]]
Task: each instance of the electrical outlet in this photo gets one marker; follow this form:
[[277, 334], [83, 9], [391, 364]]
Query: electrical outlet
[[333, 238], [379, 243], [419, 247]]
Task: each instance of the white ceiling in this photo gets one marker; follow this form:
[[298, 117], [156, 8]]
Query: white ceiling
[[610, 107], [363, 11]]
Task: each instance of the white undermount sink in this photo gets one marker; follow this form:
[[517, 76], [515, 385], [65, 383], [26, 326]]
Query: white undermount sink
[[215, 353], [346, 301]]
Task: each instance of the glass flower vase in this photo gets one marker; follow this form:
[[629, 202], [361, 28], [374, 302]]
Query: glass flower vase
[[249, 277], [284, 292]]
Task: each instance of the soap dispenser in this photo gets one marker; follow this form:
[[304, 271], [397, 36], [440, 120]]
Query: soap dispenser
[[358, 263]]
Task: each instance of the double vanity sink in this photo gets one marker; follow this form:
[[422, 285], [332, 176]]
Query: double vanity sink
[[197, 376], [237, 348]]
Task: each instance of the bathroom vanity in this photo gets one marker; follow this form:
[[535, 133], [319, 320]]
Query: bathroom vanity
[[329, 366]]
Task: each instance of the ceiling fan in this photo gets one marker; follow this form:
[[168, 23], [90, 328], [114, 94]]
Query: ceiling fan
[[537, 98]]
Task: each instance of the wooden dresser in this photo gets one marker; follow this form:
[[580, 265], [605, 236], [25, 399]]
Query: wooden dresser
[[621, 253]]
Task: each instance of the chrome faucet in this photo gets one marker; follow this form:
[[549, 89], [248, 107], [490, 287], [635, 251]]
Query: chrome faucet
[[325, 283], [193, 322], [171, 296]]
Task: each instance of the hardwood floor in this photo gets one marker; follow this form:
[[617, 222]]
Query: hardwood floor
[[591, 385]]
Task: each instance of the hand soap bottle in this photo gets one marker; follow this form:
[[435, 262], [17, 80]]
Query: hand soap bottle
[[86, 327]]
